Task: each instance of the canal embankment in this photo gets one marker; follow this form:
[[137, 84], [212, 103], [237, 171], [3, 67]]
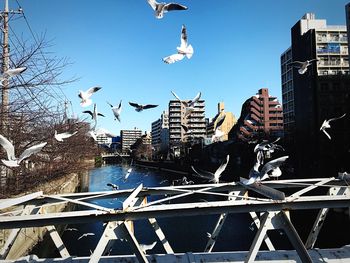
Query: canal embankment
[[16, 243]]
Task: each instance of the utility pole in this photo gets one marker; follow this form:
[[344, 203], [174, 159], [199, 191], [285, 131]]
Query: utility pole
[[5, 65]]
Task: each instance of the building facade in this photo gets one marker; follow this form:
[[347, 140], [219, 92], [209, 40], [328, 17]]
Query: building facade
[[160, 133], [261, 117], [128, 138], [318, 94], [194, 121], [226, 126], [347, 16]]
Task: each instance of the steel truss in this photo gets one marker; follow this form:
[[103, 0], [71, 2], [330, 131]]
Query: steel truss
[[269, 209]]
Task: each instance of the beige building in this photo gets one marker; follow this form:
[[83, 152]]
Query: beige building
[[226, 126]]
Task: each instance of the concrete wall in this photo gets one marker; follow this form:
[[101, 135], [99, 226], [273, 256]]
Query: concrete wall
[[29, 237]]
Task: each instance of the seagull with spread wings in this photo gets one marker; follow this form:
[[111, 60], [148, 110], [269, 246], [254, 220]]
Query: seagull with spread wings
[[145, 247], [10, 150], [161, 8], [190, 103], [213, 177], [85, 235], [270, 169], [65, 135], [85, 96], [326, 124], [183, 50], [141, 107], [116, 110], [94, 114], [302, 65], [11, 73]]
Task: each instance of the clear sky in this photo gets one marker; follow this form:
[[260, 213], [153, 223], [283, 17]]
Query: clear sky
[[119, 45]]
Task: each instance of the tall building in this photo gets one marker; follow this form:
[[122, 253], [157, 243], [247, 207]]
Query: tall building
[[128, 138], [195, 121], [261, 117], [311, 39], [322, 92], [160, 132], [226, 126]]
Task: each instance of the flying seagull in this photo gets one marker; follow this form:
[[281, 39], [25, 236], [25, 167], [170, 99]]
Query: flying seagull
[[190, 103], [326, 124], [214, 177], [161, 8], [94, 114], [10, 150], [11, 73], [302, 66], [140, 107], [85, 96], [60, 136], [184, 50], [85, 235], [71, 229], [266, 146], [116, 110], [127, 174], [218, 133], [114, 186], [270, 169], [145, 247]]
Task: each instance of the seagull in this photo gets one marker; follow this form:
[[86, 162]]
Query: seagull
[[114, 186], [164, 181], [94, 114], [208, 235], [116, 110], [326, 124], [11, 73], [302, 66], [145, 247], [10, 150], [161, 8], [214, 177], [190, 103], [140, 107], [71, 229], [85, 235], [85, 96], [127, 174], [217, 135], [60, 136], [270, 169], [184, 50], [266, 146]]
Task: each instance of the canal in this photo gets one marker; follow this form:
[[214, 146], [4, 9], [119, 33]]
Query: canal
[[183, 233]]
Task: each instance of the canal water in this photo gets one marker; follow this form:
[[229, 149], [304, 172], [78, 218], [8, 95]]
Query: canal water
[[183, 233]]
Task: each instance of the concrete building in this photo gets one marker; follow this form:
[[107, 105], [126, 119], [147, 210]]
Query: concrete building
[[195, 121], [226, 126], [160, 133], [128, 138], [321, 93], [311, 39], [261, 117]]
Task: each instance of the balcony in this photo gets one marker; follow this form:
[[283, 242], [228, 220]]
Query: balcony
[[175, 104]]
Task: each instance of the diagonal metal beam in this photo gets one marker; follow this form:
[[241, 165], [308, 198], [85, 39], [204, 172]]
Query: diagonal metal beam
[[58, 241], [19, 200], [259, 237], [321, 217], [161, 236], [266, 238], [131, 200], [284, 223], [97, 207], [308, 189]]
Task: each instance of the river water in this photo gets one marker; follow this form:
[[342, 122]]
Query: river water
[[183, 233]]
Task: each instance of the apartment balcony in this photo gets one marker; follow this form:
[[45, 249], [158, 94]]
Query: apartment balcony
[[175, 131], [332, 39], [175, 104], [200, 120], [257, 113], [175, 136], [199, 131], [250, 125], [255, 118], [172, 120], [199, 104], [255, 105], [174, 109], [174, 125], [244, 131], [175, 115], [333, 64]]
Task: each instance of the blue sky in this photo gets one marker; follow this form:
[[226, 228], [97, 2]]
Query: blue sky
[[118, 45]]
